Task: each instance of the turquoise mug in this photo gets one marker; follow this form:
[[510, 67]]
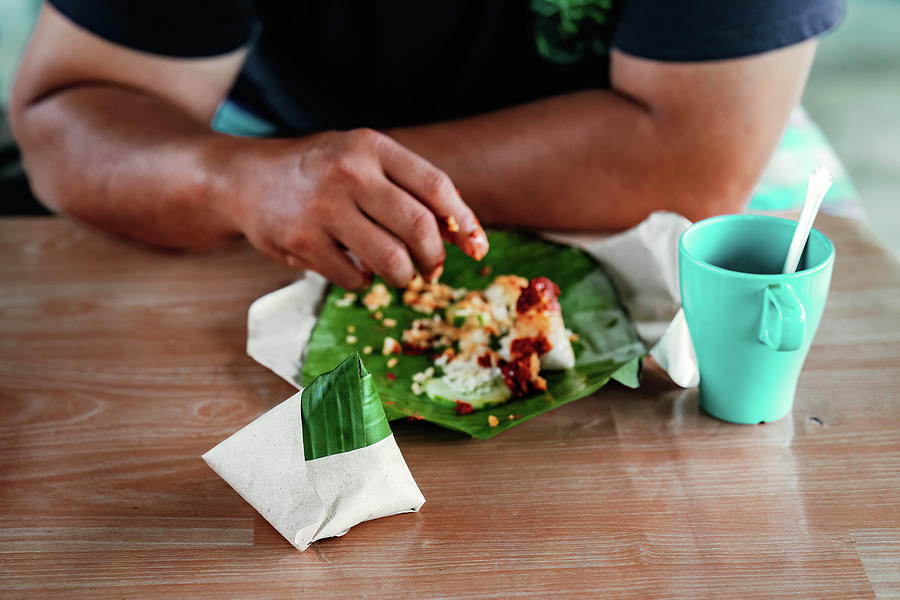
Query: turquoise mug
[[751, 325]]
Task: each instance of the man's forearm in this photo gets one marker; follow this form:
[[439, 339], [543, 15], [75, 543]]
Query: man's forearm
[[688, 137], [130, 164], [585, 161]]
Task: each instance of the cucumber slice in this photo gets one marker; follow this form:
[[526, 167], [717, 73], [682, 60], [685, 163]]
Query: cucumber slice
[[459, 317], [491, 395]]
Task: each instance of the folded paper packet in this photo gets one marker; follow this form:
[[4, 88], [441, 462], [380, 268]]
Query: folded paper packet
[[642, 262], [321, 461]]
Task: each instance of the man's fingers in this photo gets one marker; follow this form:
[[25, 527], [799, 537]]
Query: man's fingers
[[376, 248], [408, 219], [333, 263], [432, 187]]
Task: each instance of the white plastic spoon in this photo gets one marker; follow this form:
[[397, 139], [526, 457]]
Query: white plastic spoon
[[816, 188]]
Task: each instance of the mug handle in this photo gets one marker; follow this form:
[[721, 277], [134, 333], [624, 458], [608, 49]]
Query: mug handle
[[783, 323]]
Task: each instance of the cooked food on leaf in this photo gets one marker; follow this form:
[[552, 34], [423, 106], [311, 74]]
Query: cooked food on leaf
[[489, 345], [378, 297], [445, 352]]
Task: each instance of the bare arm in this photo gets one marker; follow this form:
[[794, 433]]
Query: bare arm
[[688, 137], [72, 96], [120, 140]]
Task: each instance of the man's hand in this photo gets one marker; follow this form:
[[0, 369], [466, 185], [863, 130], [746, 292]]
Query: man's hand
[[305, 201], [120, 140]]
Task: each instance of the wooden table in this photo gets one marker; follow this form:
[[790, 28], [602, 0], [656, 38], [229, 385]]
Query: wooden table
[[120, 366]]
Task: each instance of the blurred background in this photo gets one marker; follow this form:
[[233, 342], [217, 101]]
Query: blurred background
[[853, 95]]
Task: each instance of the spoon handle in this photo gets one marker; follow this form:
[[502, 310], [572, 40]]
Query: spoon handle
[[818, 185]]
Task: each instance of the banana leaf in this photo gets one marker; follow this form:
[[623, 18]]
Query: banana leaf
[[607, 345], [341, 411]]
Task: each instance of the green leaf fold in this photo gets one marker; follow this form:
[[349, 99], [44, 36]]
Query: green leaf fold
[[341, 411]]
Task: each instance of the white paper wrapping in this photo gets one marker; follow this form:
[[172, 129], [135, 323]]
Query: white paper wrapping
[[642, 261], [643, 264], [279, 325], [310, 500]]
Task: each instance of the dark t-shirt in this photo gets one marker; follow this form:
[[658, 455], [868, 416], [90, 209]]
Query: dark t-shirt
[[339, 64]]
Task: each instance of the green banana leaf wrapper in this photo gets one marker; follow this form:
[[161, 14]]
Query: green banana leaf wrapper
[[341, 411], [607, 346]]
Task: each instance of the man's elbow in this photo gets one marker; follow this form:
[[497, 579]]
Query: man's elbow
[[41, 178], [722, 190], [44, 181], [710, 203]]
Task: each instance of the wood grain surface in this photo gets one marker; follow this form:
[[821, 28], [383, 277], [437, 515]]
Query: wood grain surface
[[120, 366]]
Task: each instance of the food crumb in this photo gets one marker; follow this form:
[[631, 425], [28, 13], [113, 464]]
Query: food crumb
[[378, 297], [392, 362], [416, 388], [493, 421], [391, 346], [346, 301], [452, 225], [388, 402], [391, 376], [513, 417], [389, 322], [351, 329], [413, 349], [378, 315], [463, 408], [485, 270], [367, 349], [351, 339]]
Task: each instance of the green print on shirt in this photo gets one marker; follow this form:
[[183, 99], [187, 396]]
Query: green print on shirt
[[567, 31]]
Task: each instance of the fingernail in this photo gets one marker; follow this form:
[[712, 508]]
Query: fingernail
[[478, 243], [435, 275]]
